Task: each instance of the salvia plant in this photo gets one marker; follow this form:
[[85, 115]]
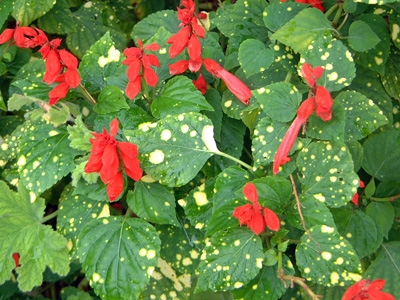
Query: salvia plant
[[200, 149]]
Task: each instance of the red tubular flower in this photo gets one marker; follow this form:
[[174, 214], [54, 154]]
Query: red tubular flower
[[138, 61], [324, 103], [179, 67], [311, 74], [234, 84], [251, 214], [108, 157], [59, 92], [281, 157], [367, 290], [23, 37], [16, 259], [201, 84]]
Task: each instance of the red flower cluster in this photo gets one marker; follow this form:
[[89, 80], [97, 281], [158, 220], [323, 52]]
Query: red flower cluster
[[188, 37], [355, 197], [313, 3], [106, 158], [135, 59], [367, 290], [322, 102], [250, 214], [56, 60]]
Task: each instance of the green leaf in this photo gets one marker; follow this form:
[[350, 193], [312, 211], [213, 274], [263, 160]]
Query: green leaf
[[375, 58], [362, 37], [150, 25], [79, 135], [76, 211], [93, 20], [381, 155], [267, 285], [2, 103], [314, 213], [16, 102], [327, 293], [6, 6], [96, 191], [383, 214], [332, 130], [356, 152], [214, 99], [38, 245], [111, 99], [181, 247], [174, 149], [358, 228], [302, 30], [8, 124], [254, 57], [335, 58], [230, 182], [278, 14], [118, 254], [370, 189], [222, 266], [279, 101], [101, 66], [59, 114], [45, 156], [387, 266], [380, 2], [179, 95], [27, 11], [59, 20], [327, 173], [153, 202], [390, 78], [394, 20], [271, 258], [198, 204], [333, 263], [73, 293]]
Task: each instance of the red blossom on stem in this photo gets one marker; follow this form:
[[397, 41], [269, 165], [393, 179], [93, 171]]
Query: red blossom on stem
[[201, 84], [108, 157], [138, 61], [254, 215], [23, 37], [367, 290], [16, 259], [313, 3]]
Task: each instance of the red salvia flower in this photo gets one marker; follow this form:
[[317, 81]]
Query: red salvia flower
[[138, 61], [356, 196], [255, 216], [324, 103], [16, 259], [313, 3], [23, 37], [201, 84], [311, 74], [367, 290], [281, 157], [106, 158]]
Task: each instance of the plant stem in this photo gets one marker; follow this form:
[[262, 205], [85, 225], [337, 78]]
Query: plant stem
[[338, 15], [288, 77], [50, 216], [53, 292], [385, 199], [86, 94], [344, 21], [331, 10], [301, 214], [234, 159], [298, 280], [146, 92]]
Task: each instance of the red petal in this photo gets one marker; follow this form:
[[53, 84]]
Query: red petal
[[317, 71], [140, 44], [362, 184], [212, 66], [257, 223], [150, 76], [114, 127], [115, 186], [68, 59], [153, 60], [16, 259], [236, 86], [45, 50], [59, 92], [110, 161], [307, 73], [201, 84], [306, 109], [354, 290], [250, 192], [324, 103], [152, 47], [180, 41], [94, 163], [179, 67], [133, 52], [72, 77], [287, 144], [194, 47], [53, 67], [271, 219], [244, 213], [195, 65], [200, 32], [6, 35], [134, 70], [355, 199], [129, 155], [133, 88]]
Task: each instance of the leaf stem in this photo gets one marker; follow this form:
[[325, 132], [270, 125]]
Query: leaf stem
[[288, 77], [338, 15], [301, 214], [331, 10], [344, 21], [234, 159], [385, 199], [86, 94], [298, 280], [50, 216]]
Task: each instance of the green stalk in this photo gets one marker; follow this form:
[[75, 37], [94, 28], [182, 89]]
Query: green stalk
[[86, 94], [234, 159], [385, 199], [50, 216], [338, 15], [331, 10]]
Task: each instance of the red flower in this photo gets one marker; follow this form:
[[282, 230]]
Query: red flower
[[324, 103], [367, 290], [23, 37], [311, 74], [237, 87], [251, 215], [136, 59], [201, 84], [313, 3], [281, 157], [355, 197], [16, 259], [106, 159]]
